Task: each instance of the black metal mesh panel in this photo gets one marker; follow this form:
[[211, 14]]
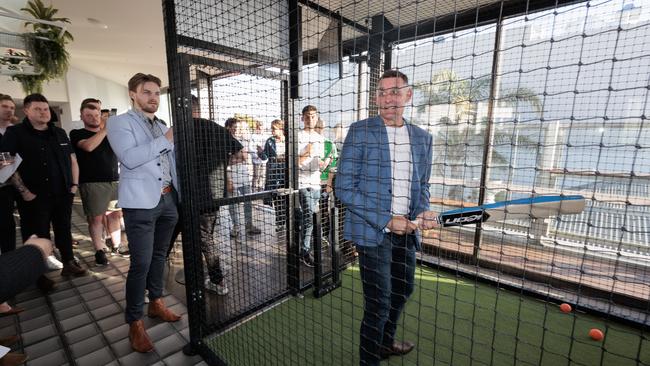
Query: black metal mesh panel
[[506, 101]]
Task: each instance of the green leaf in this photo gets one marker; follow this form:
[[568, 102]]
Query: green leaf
[[47, 46]]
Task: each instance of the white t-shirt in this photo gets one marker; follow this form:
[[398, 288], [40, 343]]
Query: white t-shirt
[[239, 173], [309, 171], [280, 149], [255, 141], [401, 169]]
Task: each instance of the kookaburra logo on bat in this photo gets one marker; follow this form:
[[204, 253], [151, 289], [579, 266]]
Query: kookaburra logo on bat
[[464, 219]]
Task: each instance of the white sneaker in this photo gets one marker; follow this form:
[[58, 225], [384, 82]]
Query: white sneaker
[[219, 289], [53, 263]]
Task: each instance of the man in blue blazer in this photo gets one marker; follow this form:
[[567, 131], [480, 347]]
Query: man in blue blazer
[[383, 181], [147, 195]]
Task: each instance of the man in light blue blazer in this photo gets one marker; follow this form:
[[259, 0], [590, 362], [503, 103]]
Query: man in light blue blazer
[[147, 195], [383, 181]]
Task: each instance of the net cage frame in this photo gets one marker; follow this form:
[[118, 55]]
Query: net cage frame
[[374, 48]]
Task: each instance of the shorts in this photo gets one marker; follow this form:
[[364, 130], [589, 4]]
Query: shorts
[[98, 197]]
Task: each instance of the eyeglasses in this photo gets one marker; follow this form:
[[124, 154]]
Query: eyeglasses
[[392, 92]]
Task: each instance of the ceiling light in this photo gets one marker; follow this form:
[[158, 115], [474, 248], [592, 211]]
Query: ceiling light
[[97, 23]]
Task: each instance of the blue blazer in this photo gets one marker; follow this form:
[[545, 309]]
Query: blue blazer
[[363, 180], [139, 155]]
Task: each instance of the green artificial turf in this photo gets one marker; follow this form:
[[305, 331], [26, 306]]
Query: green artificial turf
[[452, 320]]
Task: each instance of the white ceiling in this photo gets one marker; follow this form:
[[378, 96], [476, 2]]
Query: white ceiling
[[133, 42]]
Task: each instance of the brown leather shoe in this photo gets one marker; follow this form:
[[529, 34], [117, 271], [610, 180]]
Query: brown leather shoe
[[71, 268], [157, 309], [9, 340], [14, 310], [139, 339], [397, 349], [13, 359]]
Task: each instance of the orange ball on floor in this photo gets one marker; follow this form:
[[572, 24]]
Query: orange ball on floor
[[565, 308], [596, 334]]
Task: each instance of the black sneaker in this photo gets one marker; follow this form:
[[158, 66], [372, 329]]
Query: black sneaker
[[307, 260], [100, 258]]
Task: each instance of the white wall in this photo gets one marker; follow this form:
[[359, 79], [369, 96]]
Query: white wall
[[82, 85], [55, 91], [68, 93]]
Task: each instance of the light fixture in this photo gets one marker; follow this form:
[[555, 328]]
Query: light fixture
[[97, 23]]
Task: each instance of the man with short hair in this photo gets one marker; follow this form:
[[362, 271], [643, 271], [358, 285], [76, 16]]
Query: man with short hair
[[311, 146], [147, 195], [383, 181], [213, 146], [98, 179], [47, 178], [7, 196], [7, 191]]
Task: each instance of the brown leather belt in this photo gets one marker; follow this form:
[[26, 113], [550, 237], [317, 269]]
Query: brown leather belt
[[165, 190]]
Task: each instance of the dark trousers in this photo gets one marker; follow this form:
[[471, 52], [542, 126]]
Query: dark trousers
[[149, 232], [7, 222], [37, 214], [215, 245], [387, 273], [178, 229]]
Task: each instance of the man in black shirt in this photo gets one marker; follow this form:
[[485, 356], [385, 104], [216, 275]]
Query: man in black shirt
[[7, 191], [213, 145], [98, 179], [47, 178]]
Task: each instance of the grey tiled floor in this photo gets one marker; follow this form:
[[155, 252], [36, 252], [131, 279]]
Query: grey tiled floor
[[82, 321]]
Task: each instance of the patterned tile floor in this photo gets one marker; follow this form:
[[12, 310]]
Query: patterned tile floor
[[82, 321]]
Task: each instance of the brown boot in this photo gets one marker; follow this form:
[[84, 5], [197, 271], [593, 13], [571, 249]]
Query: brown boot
[[13, 359], [158, 309], [140, 341], [71, 268]]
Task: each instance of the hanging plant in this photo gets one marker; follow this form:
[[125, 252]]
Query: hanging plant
[[47, 46], [31, 83]]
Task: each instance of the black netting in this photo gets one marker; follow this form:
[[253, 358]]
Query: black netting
[[504, 101]]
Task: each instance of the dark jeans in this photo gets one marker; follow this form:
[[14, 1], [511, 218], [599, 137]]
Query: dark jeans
[[387, 273], [36, 215], [7, 222], [308, 203], [149, 232]]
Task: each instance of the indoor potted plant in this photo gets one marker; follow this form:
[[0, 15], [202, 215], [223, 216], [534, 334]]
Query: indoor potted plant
[[47, 46]]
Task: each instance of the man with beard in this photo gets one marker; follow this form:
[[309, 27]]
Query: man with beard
[[7, 191], [147, 195], [98, 179], [47, 179]]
